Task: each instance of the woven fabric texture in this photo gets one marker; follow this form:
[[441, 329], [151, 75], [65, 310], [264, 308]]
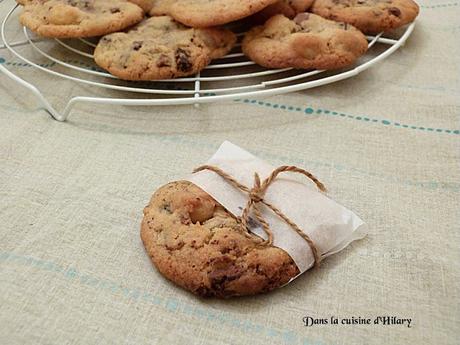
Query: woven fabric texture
[[73, 269]]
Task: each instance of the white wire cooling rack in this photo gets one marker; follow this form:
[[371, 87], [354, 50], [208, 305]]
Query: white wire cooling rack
[[229, 78]]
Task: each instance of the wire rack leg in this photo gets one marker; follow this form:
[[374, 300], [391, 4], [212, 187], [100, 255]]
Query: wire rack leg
[[44, 102], [197, 89]]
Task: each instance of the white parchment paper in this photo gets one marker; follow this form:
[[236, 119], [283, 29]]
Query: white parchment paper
[[330, 226]]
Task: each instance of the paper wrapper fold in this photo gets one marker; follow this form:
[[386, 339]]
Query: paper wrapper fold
[[329, 225]]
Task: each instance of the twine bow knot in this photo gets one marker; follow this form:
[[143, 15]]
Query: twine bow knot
[[256, 196]]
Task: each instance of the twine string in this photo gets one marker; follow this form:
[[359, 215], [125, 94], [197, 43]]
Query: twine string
[[256, 196]]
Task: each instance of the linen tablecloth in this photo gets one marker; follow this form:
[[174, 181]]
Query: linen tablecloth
[[73, 269]]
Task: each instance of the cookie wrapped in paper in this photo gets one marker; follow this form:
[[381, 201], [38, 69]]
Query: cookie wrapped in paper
[[222, 233]]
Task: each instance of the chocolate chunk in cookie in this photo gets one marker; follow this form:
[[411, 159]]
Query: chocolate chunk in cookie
[[194, 242], [369, 16], [308, 41], [161, 48], [79, 18]]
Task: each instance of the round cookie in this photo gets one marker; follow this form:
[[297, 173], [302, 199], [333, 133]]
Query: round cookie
[[194, 242], [289, 8], [307, 41], [79, 18], [207, 13], [161, 48], [369, 16]]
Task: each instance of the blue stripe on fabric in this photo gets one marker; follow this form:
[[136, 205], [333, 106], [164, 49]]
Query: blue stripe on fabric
[[385, 122], [170, 304]]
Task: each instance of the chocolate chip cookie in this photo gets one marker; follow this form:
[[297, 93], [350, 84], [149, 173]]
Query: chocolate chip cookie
[[290, 8], [369, 16], [161, 48], [206, 13], [79, 18], [307, 41], [194, 242]]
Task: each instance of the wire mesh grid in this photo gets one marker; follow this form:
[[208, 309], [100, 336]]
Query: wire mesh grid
[[228, 78]]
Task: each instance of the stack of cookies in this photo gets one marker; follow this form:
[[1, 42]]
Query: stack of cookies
[[162, 39]]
